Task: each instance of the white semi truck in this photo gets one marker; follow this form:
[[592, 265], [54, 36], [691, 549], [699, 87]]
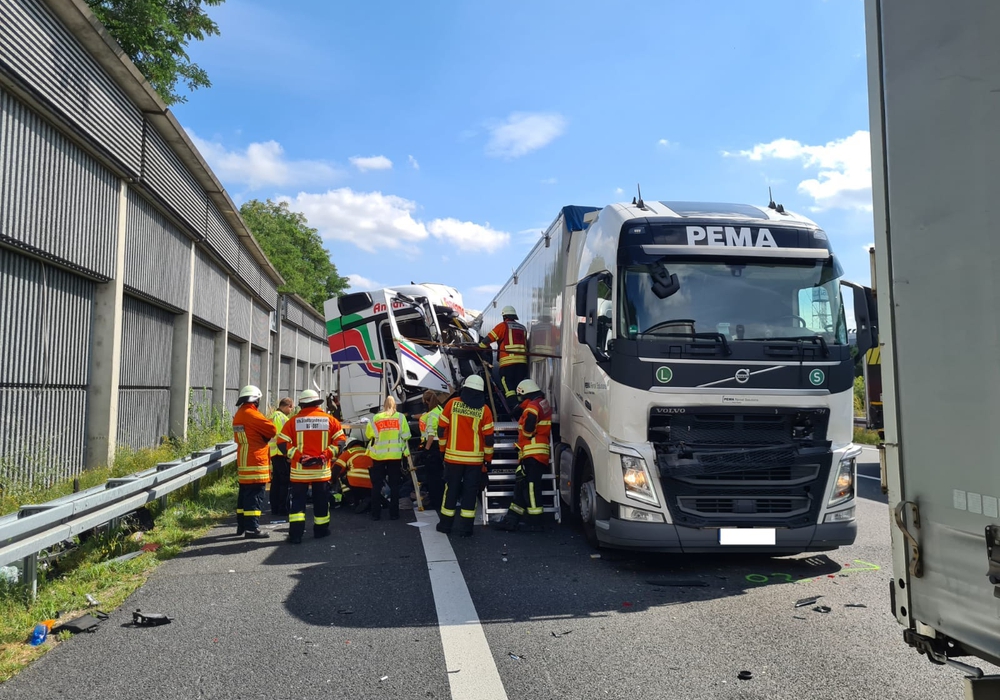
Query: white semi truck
[[934, 99], [703, 396]]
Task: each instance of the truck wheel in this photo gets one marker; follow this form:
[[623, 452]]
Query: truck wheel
[[587, 509]]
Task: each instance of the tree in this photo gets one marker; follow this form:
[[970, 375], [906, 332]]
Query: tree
[[295, 249], [154, 34]]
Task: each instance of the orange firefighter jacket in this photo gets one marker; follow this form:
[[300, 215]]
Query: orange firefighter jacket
[[252, 432], [356, 462], [534, 429], [465, 434], [311, 433], [511, 338]]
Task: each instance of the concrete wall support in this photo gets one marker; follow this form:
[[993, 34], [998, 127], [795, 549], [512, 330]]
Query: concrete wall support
[[219, 364], [180, 363]]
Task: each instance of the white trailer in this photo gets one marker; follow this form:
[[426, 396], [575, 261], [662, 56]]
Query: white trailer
[[934, 96], [703, 396]]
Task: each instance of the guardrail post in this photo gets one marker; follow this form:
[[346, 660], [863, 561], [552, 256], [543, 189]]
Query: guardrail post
[[196, 488], [30, 574]]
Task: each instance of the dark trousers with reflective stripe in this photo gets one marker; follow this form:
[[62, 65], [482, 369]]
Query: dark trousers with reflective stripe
[[281, 473], [381, 469], [462, 485], [434, 477], [249, 501], [321, 508], [528, 491], [511, 376]]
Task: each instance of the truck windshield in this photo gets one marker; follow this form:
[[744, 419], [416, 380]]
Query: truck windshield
[[741, 300]]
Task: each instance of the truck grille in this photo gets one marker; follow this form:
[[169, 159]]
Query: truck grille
[[743, 506]]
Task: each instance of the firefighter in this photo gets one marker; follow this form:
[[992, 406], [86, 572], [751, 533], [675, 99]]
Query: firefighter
[[511, 339], [252, 432], [354, 464], [465, 434], [533, 430], [312, 436], [388, 435], [433, 467], [280, 469]]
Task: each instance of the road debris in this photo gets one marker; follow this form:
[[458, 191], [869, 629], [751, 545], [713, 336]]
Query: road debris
[[345, 611], [595, 556], [561, 634], [149, 619], [515, 656], [92, 600], [383, 678], [798, 617], [803, 602], [822, 608], [855, 605], [745, 675]]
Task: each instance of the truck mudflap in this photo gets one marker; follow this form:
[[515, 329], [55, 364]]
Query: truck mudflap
[[660, 537]]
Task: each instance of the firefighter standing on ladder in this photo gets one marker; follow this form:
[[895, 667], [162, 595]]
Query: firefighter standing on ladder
[[512, 347], [533, 430]]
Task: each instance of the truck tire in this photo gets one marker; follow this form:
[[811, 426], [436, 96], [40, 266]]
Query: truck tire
[[587, 504]]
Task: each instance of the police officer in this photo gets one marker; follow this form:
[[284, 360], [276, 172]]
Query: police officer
[[388, 434], [511, 339], [252, 433], [312, 436], [533, 430], [465, 433]]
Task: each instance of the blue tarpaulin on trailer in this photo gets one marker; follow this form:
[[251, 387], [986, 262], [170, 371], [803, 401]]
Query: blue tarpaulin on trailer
[[574, 216]]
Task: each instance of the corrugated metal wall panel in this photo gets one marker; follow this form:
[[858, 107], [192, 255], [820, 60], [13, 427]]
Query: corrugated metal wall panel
[[261, 332], [147, 339], [42, 434], [157, 255], [143, 417], [301, 377], [285, 380], [209, 290], [202, 356], [35, 47], [221, 236], [173, 182], [239, 313], [256, 367], [45, 316], [293, 312], [55, 198], [233, 364], [268, 291]]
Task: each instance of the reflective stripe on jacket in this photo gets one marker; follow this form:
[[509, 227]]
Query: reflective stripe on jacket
[[310, 432], [356, 463], [466, 433], [252, 431], [391, 434], [431, 419], [511, 338], [534, 429], [278, 418]]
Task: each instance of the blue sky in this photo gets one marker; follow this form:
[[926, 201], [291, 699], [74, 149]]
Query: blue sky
[[433, 141]]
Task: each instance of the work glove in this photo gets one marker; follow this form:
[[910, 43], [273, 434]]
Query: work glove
[[312, 462]]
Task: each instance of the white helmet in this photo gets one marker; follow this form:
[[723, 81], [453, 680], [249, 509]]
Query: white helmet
[[248, 394], [474, 382], [527, 386], [509, 311], [309, 397]]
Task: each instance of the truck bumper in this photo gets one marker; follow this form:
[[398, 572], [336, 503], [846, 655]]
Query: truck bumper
[[660, 537]]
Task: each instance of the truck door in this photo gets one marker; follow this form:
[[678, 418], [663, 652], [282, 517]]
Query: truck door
[[416, 336]]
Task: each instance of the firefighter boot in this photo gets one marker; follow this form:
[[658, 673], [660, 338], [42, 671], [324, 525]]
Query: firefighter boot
[[510, 521], [445, 523]]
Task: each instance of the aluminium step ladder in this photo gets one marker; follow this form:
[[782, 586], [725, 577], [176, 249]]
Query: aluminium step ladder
[[499, 491]]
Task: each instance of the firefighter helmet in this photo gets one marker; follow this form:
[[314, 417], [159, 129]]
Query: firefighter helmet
[[309, 398], [248, 394], [474, 382], [527, 386], [509, 311]]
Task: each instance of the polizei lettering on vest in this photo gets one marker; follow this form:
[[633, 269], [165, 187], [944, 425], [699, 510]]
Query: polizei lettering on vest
[[730, 236]]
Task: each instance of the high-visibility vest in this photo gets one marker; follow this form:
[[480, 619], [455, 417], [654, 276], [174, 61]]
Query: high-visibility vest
[[356, 463], [278, 418], [252, 431], [466, 433], [391, 434], [534, 429], [309, 433], [511, 338], [431, 419]]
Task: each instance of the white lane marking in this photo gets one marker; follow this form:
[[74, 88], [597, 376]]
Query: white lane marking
[[465, 647]]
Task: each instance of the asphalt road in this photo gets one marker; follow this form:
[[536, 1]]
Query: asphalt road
[[355, 616]]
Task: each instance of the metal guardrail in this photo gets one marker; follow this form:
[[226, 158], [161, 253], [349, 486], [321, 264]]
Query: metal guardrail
[[36, 527]]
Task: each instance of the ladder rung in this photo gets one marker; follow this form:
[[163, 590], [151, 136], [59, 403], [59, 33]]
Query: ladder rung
[[508, 477], [504, 461], [498, 494]]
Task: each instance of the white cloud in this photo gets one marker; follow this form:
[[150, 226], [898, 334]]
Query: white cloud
[[364, 164], [362, 284], [468, 236], [487, 288], [619, 190], [377, 222], [524, 132], [843, 172], [665, 143], [549, 181], [261, 164], [413, 162]]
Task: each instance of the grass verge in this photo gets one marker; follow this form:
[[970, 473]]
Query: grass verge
[[86, 569]]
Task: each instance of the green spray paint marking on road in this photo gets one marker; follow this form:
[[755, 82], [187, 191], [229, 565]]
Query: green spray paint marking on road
[[760, 579]]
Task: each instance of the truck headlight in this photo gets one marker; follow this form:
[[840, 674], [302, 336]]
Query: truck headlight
[[843, 487], [639, 515], [638, 483]]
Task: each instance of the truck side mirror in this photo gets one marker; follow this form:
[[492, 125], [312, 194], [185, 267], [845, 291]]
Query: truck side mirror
[[865, 316], [587, 300]]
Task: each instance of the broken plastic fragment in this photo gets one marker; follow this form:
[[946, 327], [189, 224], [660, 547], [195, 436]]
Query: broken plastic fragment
[[514, 656], [745, 675], [561, 634], [383, 678], [802, 602], [822, 608], [855, 605]]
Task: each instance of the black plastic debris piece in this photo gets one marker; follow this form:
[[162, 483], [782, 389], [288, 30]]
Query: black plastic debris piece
[[745, 675], [561, 634], [802, 602], [345, 611], [798, 617], [678, 582], [150, 619], [515, 656], [855, 605], [84, 623], [822, 608]]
